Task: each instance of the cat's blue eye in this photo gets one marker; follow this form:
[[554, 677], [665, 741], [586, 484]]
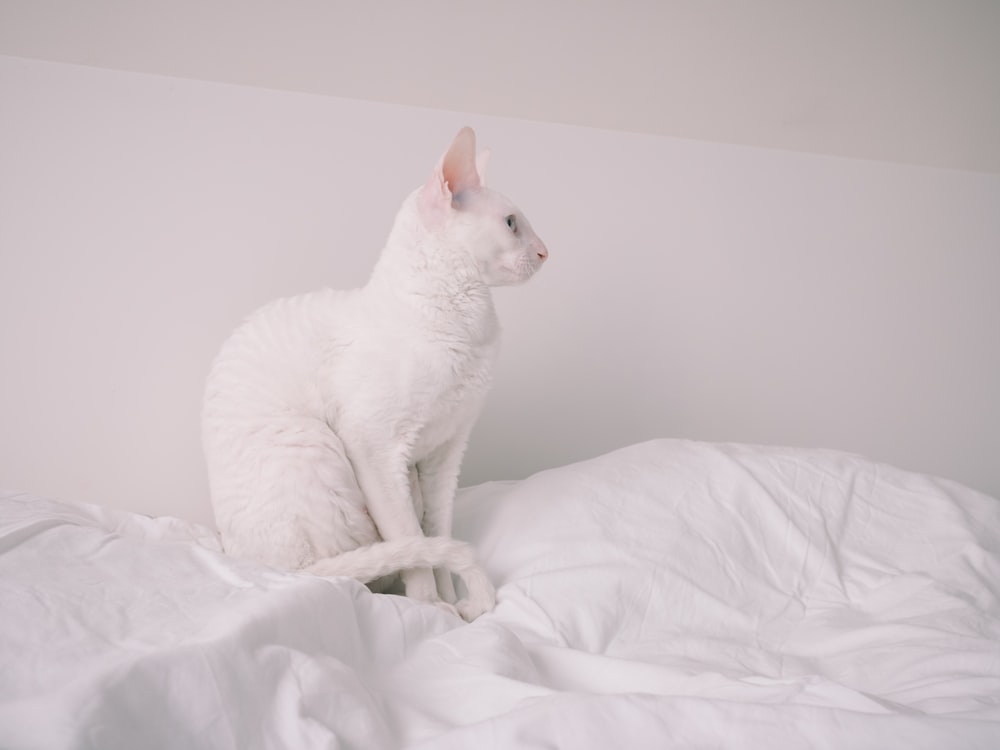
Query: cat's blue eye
[[511, 223]]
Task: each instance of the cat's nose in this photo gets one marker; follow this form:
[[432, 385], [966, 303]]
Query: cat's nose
[[543, 253]]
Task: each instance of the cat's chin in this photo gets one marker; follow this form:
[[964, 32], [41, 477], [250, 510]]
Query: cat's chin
[[515, 274], [511, 279]]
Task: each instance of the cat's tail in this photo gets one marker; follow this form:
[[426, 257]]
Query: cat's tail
[[389, 557]]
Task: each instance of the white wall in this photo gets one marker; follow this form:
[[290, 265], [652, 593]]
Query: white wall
[[911, 81], [694, 289]]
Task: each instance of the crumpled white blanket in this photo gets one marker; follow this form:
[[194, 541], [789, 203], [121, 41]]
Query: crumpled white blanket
[[668, 595]]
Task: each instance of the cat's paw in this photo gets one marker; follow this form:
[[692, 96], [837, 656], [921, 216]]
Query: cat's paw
[[420, 585], [449, 608], [471, 608]]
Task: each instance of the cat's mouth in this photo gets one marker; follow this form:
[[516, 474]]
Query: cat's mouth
[[524, 269]]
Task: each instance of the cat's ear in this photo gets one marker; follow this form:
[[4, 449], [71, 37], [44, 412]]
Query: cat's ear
[[455, 172], [458, 165]]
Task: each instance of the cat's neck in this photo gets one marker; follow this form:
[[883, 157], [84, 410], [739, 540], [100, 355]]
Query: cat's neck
[[425, 276]]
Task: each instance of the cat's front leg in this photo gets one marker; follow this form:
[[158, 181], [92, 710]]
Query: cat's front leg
[[437, 482], [384, 478], [438, 479], [420, 580]]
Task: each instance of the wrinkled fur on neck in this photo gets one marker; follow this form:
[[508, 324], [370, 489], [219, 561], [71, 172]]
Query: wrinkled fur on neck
[[419, 266]]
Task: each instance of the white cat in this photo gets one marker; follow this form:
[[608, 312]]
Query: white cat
[[334, 423]]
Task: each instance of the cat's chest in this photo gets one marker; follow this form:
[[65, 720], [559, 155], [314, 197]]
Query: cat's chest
[[416, 378], [447, 374], [448, 384]]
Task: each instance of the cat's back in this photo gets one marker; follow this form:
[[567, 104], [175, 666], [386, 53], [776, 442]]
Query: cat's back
[[272, 359]]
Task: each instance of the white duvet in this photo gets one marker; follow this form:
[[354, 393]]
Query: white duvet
[[670, 594]]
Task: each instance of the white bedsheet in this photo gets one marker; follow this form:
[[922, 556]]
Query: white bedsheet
[[670, 594]]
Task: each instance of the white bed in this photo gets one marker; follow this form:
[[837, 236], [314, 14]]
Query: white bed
[[669, 594]]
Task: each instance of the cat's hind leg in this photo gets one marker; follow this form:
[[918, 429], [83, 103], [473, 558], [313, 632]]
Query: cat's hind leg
[[285, 494]]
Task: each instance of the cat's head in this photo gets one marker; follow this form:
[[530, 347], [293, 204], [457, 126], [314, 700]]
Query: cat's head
[[456, 206]]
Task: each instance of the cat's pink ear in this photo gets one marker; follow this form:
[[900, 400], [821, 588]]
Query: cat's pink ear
[[458, 165], [455, 172]]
